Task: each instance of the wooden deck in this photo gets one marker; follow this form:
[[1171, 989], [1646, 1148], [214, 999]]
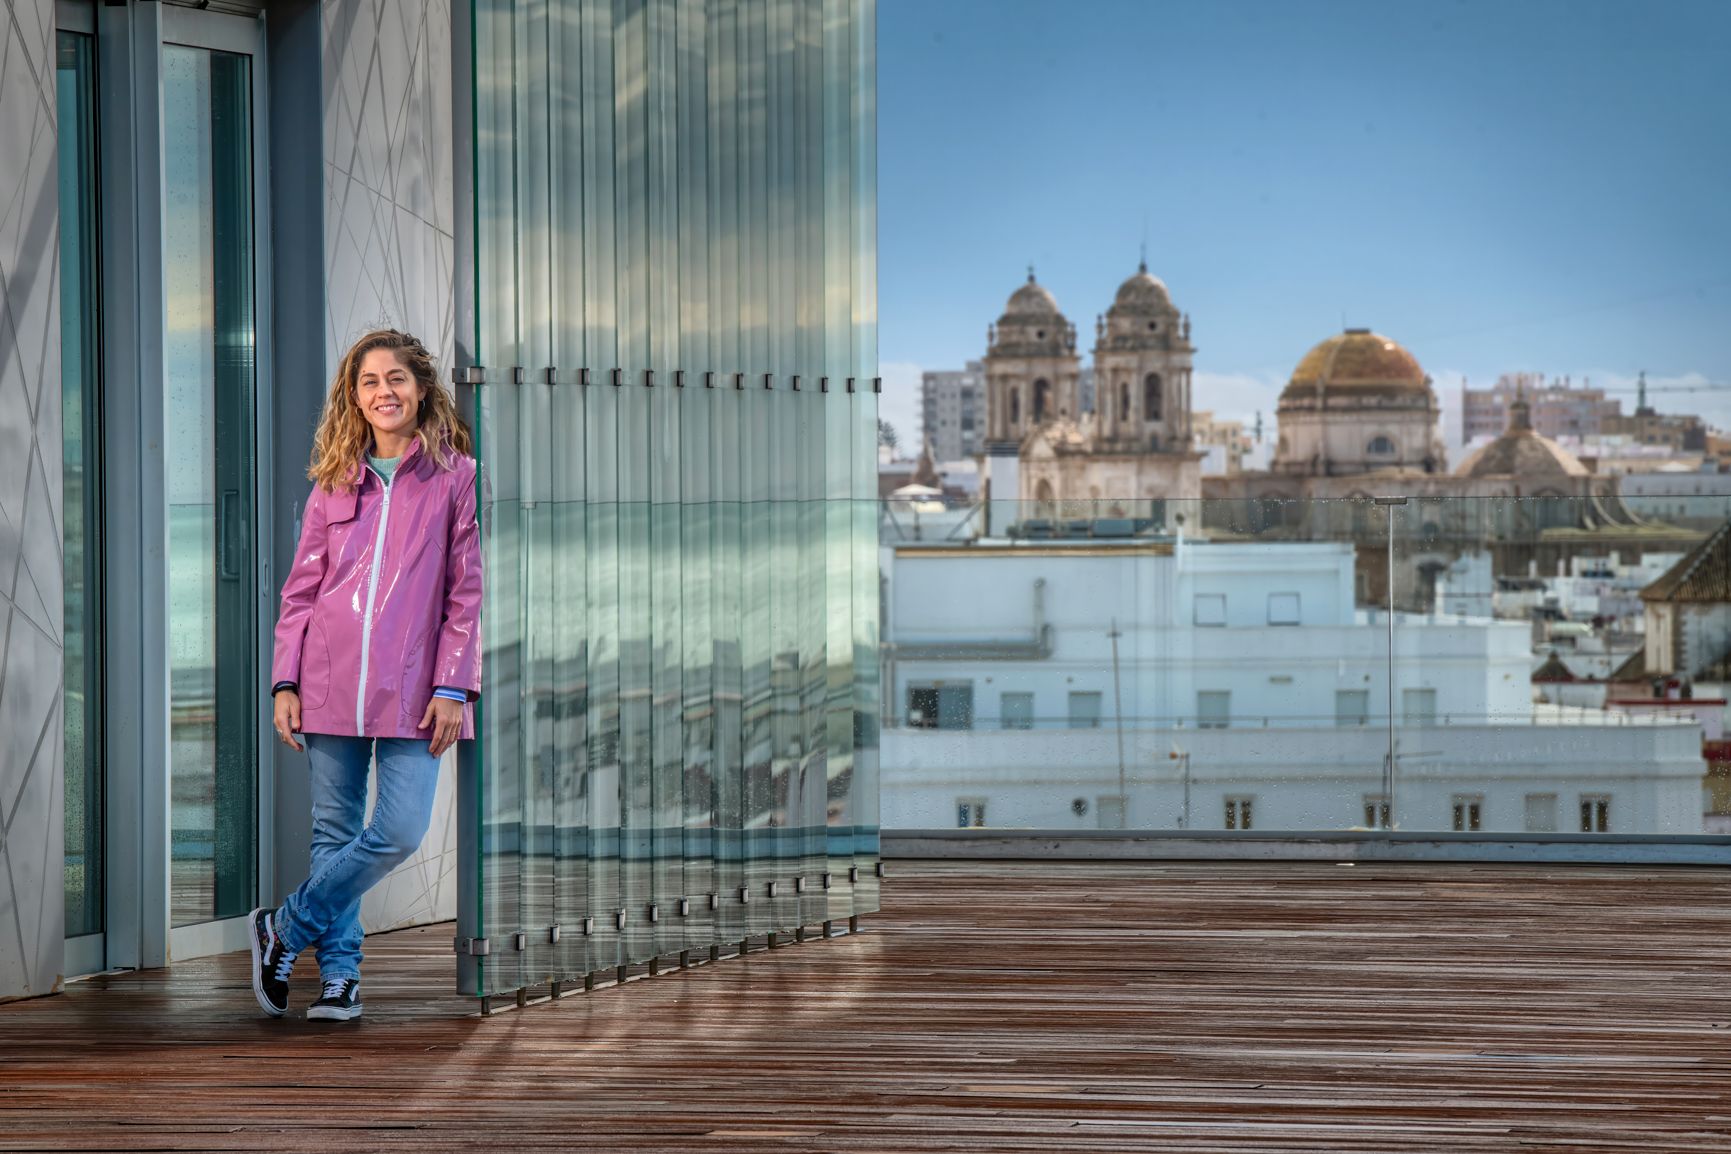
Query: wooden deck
[[994, 1006]]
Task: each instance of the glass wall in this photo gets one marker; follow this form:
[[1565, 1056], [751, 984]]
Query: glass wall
[[675, 322], [80, 395], [1548, 666]]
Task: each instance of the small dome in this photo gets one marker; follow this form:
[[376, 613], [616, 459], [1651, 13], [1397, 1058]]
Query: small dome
[[1031, 302], [1142, 293], [1357, 361], [1520, 452]]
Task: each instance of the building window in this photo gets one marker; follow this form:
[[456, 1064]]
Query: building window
[[1151, 397], [1210, 609], [1283, 609], [1238, 812], [1109, 810], [1541, 813], [1377, 812], [1213, 709], [1042, 400], [1085, 710], [1595, 813], [1124, 402], [1380, 447], [1015, 407], [941, 706], [970, 812], [1418, 706], [1351, 707], [1466, 811], [1016, 710]]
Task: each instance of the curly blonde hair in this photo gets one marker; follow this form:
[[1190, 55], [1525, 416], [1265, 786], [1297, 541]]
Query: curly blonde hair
[[344, 436]]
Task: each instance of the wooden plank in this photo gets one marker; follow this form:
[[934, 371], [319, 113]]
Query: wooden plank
[[1015, 1006]]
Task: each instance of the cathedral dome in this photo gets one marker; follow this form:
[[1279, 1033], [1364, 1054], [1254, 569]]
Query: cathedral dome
[[1142, 293], [1031, 302], [1360, 363]]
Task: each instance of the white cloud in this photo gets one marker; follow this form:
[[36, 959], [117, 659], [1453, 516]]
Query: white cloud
[[900, 402], [1238, 396]]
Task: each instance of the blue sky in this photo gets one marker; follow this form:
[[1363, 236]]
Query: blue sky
[[1533, 185]]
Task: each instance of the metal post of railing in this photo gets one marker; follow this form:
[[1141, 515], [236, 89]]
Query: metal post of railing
[[1389, 504], [1118, 706]]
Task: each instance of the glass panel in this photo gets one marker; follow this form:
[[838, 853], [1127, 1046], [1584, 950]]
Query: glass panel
[[81, 415], [209, 363], [672, 211]]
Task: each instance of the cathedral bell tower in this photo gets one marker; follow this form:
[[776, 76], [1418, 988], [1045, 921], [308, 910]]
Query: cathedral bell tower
[[1032, 368], [1142, 363]]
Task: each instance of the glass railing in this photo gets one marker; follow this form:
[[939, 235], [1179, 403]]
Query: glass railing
[[1472, 665], [676, 750]]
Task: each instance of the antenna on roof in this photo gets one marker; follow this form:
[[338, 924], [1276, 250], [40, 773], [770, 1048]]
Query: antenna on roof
[[1030, 274], [1143, 266]]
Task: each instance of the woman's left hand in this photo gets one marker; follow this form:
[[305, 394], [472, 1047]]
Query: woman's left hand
[[445, 717]]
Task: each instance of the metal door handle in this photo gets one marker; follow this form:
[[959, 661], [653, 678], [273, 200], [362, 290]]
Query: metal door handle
[[229, 532]]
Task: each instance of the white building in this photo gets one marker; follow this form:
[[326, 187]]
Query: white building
[[1245, 671], [1697, 497]]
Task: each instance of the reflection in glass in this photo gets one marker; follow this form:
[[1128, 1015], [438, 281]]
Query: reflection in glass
[[209, 366], [80, 398]]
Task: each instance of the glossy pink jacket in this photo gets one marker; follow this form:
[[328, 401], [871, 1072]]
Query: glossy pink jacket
[[384, 601]]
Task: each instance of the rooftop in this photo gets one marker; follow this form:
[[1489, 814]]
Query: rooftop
[[994, 1005]]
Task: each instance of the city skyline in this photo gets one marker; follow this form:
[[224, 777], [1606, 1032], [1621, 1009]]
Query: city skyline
[[1498, 189]]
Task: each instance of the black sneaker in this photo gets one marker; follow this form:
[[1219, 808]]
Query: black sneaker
[[271, 963], [341, 1001]]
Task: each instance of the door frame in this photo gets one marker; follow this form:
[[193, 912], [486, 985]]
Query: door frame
[[138, 830]]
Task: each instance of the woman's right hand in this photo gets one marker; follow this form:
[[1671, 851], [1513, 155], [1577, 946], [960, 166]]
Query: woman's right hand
[[288, 718]]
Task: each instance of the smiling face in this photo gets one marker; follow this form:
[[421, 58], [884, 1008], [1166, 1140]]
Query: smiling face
[[389, 396]]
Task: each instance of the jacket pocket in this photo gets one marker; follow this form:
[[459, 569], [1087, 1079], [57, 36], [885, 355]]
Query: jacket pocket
[[315, 665], [416, 686]]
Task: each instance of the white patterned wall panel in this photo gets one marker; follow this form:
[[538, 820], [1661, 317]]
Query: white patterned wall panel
[[32, 905], [389, 248], [388, 214]]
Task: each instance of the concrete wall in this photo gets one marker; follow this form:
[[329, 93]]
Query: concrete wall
[[32, 822]]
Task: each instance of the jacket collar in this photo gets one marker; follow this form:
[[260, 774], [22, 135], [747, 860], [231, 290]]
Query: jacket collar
[[343, 503]]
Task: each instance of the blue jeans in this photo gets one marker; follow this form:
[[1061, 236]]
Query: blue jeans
[[348, 860]]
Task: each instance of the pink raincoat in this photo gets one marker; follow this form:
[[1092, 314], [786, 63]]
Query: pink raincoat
[[384, 601]]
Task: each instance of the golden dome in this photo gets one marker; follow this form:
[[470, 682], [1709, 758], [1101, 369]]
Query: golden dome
[[1357, 362]]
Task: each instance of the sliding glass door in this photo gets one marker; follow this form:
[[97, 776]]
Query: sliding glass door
[[80, 361], [210, 386]]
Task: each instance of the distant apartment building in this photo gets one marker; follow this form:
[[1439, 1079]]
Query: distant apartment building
[[1674, 432], [953, 411], [1224, 444], [1559, 407]]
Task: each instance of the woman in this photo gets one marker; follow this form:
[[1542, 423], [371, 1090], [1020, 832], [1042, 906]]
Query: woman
[[377, 649]]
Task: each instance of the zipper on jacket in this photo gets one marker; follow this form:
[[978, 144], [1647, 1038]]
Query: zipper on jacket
[[372, 593]]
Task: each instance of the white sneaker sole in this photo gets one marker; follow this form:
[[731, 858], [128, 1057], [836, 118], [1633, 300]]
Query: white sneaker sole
[[258, 965], [332, 1014]]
